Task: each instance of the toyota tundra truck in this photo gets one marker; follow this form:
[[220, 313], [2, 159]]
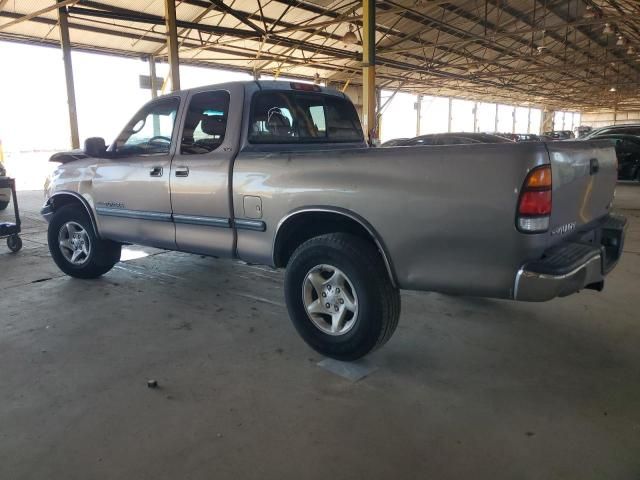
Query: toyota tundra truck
[[279, 174]]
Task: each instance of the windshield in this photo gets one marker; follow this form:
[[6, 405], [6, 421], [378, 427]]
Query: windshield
[[150, 130]]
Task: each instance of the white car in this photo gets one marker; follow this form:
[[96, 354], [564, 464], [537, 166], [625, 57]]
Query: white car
[[5, 193]]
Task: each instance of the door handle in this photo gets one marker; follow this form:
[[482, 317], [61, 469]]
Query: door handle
[[182, 171], [155, 172]]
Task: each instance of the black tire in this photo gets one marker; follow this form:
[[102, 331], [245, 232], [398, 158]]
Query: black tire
[[378, 301], [14, 243], [3, 205], [103, 254]]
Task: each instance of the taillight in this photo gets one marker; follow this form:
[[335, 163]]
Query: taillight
[[534, 206]]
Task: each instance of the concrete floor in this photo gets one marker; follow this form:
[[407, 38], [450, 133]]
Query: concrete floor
[[467, 388]]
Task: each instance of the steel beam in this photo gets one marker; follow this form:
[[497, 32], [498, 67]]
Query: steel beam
[[59, 4], [418, 114], [547, 120], [369, 70], [172, 43], [65, 43], [152, 76]]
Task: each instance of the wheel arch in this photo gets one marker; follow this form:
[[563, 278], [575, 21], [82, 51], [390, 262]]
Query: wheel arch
[[65, 197], [302, 224]]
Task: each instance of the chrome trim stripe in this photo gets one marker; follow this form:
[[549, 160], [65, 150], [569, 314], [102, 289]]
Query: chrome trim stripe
[[141, 215], [207, 221], [256, 225]]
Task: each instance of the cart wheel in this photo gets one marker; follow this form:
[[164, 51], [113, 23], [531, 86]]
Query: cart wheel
[[14, 242]]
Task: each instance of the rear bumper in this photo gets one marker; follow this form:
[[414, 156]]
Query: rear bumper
[[567, 268]]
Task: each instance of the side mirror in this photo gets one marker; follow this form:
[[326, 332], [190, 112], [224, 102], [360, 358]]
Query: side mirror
[[95, 147]]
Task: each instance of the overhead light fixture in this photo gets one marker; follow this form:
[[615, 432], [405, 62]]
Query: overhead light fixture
[[612, 89], [350, 37], [589, 12], [631, 50], [621, 41], [607, 29]]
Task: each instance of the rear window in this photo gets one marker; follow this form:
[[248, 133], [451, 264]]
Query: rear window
[[291, 117]]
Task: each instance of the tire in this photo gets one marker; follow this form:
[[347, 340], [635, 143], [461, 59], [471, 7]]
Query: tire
[[95, 256], [3, 205], [310, 274], [14, 243]]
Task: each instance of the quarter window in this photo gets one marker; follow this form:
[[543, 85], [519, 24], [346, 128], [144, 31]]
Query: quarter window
[[288, 117]]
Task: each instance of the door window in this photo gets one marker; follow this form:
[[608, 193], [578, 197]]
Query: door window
[[206, 123], [150, 130]]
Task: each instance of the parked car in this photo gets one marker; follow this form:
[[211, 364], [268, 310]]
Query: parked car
[[5, 193], [459, 138], [560, 134], [628, 154], [528, 137], [396, 142], [279, 174], [628, 129], [583, 130]]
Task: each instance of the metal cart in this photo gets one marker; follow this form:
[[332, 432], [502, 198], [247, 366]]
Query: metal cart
[[11, 231]]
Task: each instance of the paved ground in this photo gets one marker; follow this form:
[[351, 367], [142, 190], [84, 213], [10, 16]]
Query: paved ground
[[467, 388]]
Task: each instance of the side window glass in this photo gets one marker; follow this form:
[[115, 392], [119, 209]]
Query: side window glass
[[342, 121], [205, 124], [150, 130], [272, 118], [292, 117]]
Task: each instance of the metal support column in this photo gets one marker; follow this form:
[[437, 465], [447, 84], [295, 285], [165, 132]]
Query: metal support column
[[418, 114], [495, 122], [475, 117], [513, 119], [529, 120], [379, 112], [65, 43], [547, 120], [152, 76], [369, 70], [450, 115], [172, 43]]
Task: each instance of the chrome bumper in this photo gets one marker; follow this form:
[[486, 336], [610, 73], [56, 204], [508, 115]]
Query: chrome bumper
[[572, 266], [540, 287]]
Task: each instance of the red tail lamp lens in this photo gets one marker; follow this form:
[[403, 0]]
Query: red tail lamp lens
[[535, 203]]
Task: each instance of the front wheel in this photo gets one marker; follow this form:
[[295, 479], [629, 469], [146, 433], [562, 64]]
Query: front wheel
[[74, 246], [339, 296]]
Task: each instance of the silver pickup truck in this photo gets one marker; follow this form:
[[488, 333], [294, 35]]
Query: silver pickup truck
[[279, 174]]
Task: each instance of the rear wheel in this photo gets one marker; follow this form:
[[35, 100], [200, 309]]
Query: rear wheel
[[74, 246], [3, 205], [339, 296]]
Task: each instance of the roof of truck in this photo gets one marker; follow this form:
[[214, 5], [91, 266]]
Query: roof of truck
[[271, 85]]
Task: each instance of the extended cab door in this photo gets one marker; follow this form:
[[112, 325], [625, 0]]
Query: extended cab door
[[131, 184], [201, 171]]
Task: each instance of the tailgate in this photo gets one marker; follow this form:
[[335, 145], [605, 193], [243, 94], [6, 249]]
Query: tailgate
[[584, 179]]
